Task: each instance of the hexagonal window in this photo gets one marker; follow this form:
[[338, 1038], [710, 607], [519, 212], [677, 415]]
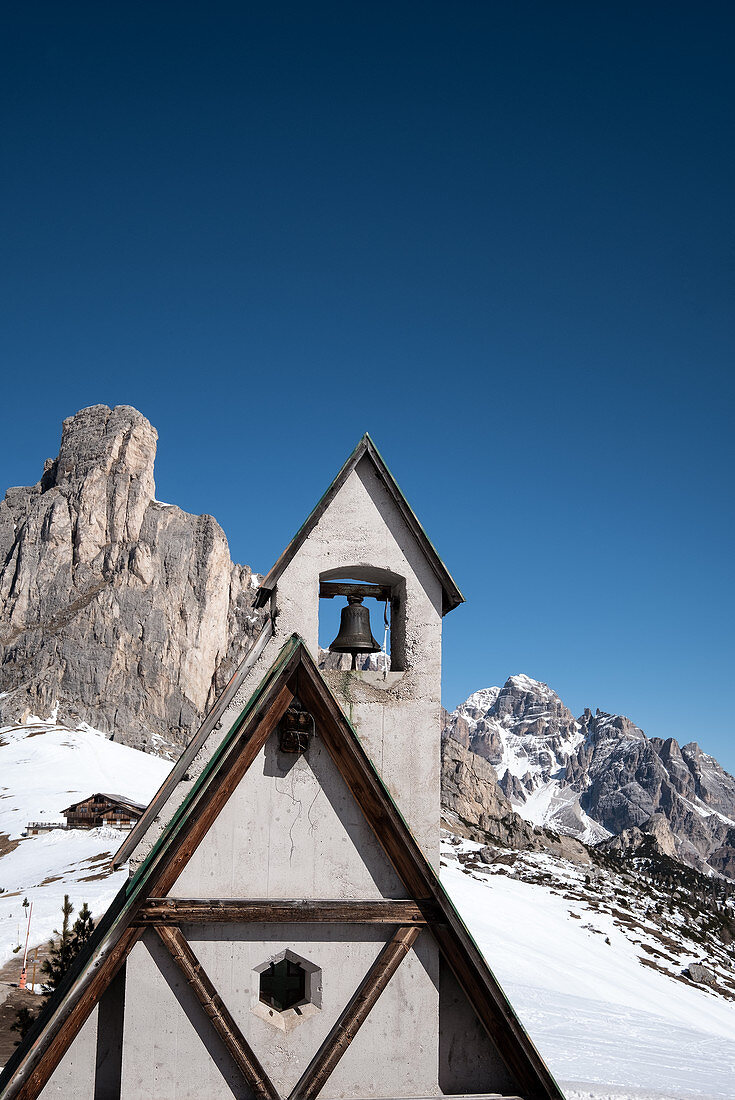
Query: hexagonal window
[[283, 984], [287, 990]]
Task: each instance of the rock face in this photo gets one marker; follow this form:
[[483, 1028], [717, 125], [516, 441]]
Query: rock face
[[599, 776], [474, 806], [126, 613], [698, 972], [654, 833]]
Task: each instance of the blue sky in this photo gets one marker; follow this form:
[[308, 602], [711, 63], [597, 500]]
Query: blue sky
[[497, 236]]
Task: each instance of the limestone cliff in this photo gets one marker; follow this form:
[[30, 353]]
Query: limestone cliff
[[126, 613]]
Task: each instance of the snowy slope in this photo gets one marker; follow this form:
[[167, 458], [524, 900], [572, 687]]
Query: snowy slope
[[45, 767], [607, 1022]]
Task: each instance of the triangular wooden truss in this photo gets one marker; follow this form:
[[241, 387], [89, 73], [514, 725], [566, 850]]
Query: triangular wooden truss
[[143, 904]]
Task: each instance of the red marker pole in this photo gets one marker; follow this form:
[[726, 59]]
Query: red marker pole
[[22, 983]]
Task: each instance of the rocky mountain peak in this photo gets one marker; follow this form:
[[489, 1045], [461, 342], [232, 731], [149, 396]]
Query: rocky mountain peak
[[601, 726], [600, 776], [712, 784], [530, 701], [521, 683], [99, 440], [121, 610], [480, 702]]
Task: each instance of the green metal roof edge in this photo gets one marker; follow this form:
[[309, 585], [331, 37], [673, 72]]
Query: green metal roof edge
[[181, 812], [367, 446], [389, 472]]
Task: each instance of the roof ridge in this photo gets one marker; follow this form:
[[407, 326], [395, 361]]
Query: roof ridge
[[366, 447]]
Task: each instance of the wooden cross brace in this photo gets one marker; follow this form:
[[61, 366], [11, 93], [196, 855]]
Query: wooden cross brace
[[336, 1043]]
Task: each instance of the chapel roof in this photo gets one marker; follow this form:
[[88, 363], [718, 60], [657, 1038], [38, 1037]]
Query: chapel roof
[[366, 449]]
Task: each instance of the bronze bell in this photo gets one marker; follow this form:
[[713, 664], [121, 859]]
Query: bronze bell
[[354, 635]]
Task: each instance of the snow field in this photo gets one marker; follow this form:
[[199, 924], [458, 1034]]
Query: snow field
[[607, 1026], [43, 769]]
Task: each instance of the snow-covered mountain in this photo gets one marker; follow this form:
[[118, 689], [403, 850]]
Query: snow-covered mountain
[[598, 776]]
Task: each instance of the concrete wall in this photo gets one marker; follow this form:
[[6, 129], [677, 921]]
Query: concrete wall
[[74, 1077], [291, 829], [397, 718], [363, 536], [172, 1052], [468, 1059]]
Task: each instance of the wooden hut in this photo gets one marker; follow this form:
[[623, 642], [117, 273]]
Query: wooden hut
[[103, 809]]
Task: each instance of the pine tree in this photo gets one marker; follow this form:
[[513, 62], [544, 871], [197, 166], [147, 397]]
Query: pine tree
[[61, 955], [82, 930], [24, 1020], [61, 952]]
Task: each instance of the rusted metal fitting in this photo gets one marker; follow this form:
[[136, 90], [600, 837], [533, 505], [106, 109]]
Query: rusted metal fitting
[[295, 730]]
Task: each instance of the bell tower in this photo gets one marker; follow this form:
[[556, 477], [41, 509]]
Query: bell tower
[[363, 542]]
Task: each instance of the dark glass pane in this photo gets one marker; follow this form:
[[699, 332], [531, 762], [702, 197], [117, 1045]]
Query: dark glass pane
[[283, 985]]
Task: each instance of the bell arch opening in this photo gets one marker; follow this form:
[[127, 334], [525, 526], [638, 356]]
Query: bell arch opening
[[377, 615]]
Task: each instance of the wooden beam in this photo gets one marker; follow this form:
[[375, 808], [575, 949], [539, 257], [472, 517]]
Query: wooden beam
[[185, 760], [55, 1040], [344, 1031], [217, 1011], [301, 911], [329, 589]]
